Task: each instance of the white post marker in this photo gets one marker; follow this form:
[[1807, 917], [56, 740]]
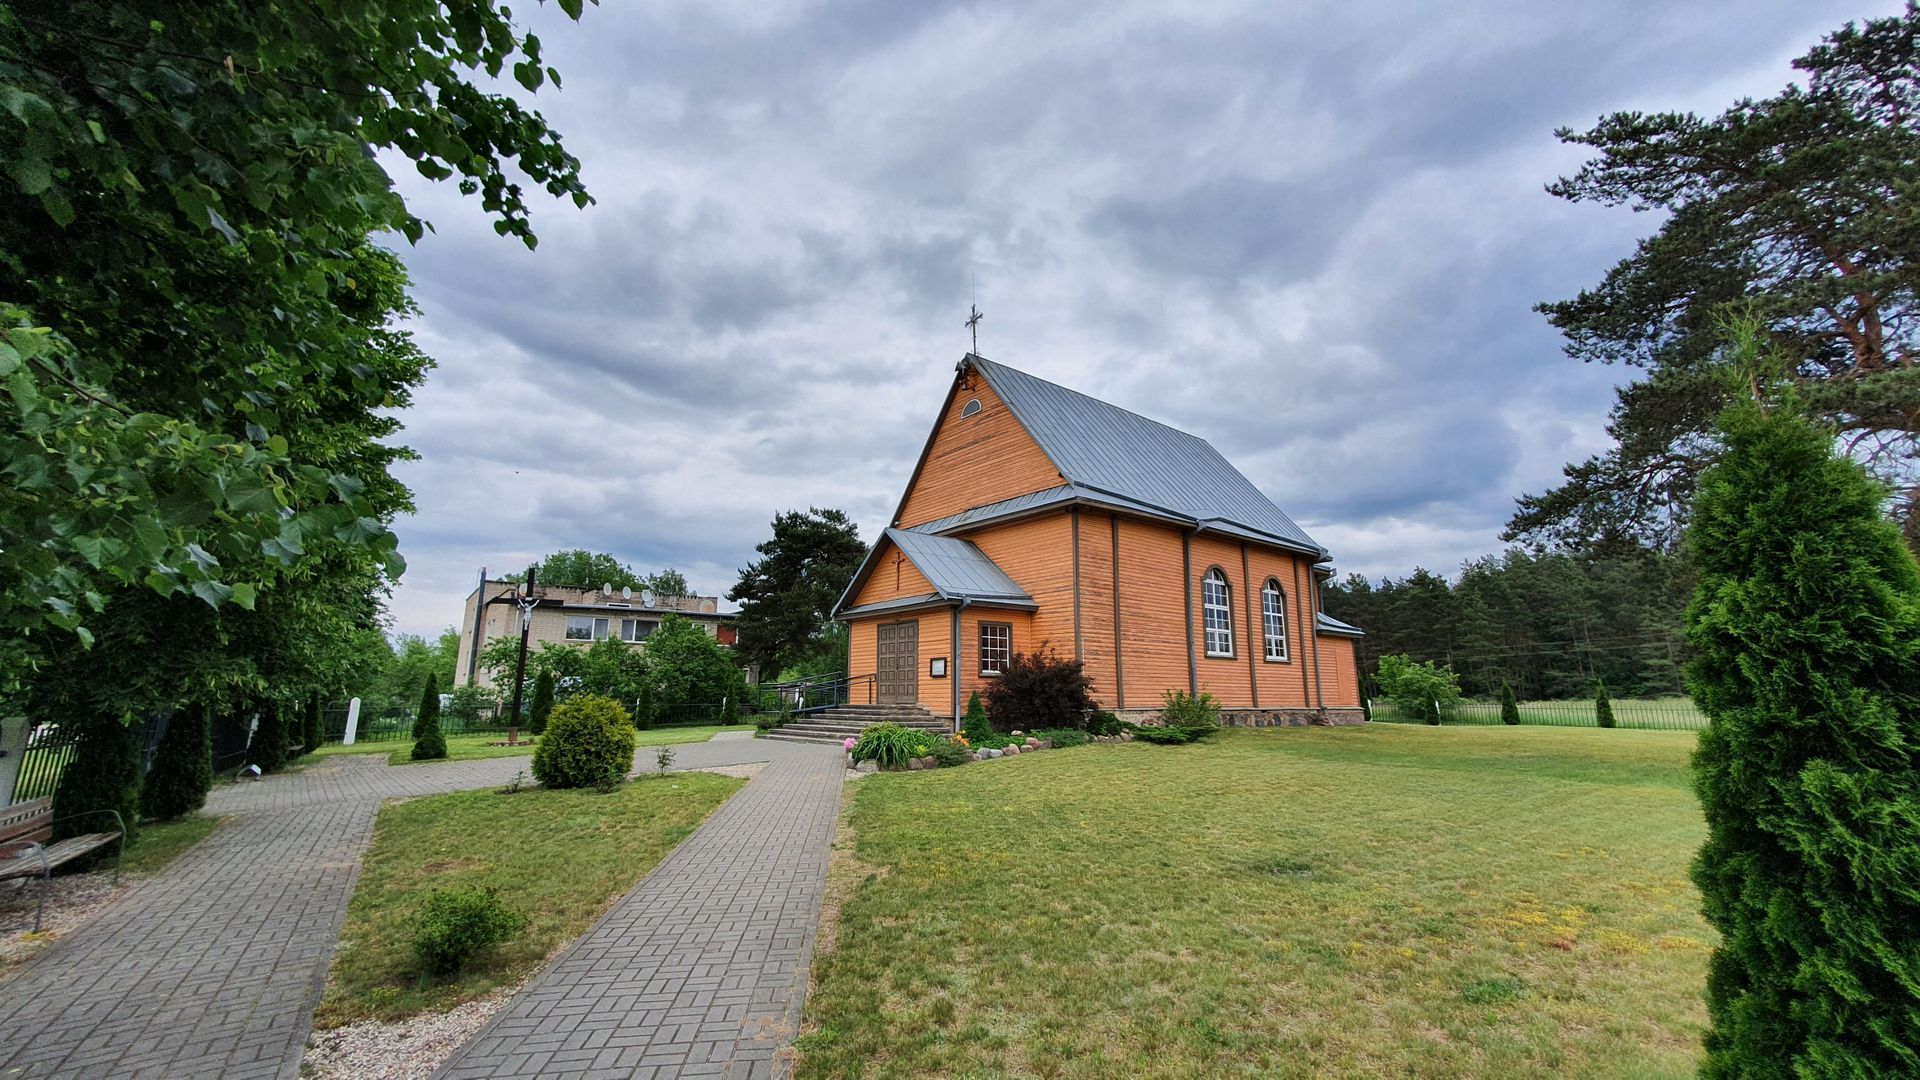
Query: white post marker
[[14, 733], [353, 720]]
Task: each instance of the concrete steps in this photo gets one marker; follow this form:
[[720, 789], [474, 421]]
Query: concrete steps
[[848, 721]]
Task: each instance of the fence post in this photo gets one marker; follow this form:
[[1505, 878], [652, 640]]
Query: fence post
[[13, 750], [353, 721]]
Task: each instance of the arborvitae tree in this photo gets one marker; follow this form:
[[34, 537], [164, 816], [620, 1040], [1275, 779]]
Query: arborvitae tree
[[429, 742], [976, 727], [429, 711], [182, 771], [1602, 706], [1509, 705], [269, 746], [542, 702], [643, 711], [103, 775], [730, 711], [313, 732], [1806, 624]]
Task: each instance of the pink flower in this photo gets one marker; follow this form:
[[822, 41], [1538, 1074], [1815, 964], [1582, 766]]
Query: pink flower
[[849, 745]]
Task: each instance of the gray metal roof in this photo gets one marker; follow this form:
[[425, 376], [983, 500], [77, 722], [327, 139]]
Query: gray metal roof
[[956, 568], [1034, 500], [1108, 449], [1327, 624]]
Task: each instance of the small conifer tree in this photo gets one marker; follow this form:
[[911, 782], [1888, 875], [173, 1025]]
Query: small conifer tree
[[976, 726], [1602, 706], [1806, 629], [429, 742], [268, 749], [103, 775], [1509, 704], [730, 711], [643, 711], [314, 731], [542, 702], [182, 771], [429, 712]]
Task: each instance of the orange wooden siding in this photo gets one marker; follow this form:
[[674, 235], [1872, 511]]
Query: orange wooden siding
[[1152, 620], [1283, 685], [1096, 603], [1338, 676], [935, 638], [1037, 553], [893, 577], [966, 666], [971, 462]]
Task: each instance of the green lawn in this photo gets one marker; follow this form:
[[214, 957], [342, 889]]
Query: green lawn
[[1379, 901], [159, 842], [470, 747], [559, 857]]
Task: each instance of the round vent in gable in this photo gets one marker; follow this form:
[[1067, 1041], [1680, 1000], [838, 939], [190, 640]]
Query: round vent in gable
[[972, 406]]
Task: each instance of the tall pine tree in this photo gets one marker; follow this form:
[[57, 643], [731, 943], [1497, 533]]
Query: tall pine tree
[[1807, 626], [182, 772]]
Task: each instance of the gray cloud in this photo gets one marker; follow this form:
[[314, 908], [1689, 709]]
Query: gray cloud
[[1311, 234]]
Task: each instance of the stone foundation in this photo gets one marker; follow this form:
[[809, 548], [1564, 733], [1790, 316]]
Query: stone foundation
[[1328, 717]]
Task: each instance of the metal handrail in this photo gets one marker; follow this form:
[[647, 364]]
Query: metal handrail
[[814, 695]]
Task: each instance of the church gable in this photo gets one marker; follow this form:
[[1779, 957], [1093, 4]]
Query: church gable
[[892, 576], [978, 454]]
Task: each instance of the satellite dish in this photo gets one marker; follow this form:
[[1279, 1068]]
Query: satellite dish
[[646, 597], [626, 592], [606, 589]]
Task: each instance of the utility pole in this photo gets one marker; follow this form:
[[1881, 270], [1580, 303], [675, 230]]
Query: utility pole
[[525, 604]]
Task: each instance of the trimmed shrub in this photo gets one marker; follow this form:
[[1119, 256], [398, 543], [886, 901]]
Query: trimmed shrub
[[975, 726], [948, 753], [542, 702], [1039, 690], [1509, 705], [730, 711], [103, 775], [1061, 738], [589, 742], [891, 746], [1805, 623], [312, 731], [269, 746], [1104, 723], [1415, 688], [429, 712], [432, 743], [1188, 719], [454, 924], [1602, 707], [182, 771]]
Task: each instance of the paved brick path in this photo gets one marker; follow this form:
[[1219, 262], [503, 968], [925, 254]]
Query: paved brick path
[[213, 967]]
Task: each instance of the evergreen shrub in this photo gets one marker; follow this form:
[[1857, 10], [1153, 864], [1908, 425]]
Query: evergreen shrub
[[182, 771], [312, 731], [542, 702], [1509, 705], [975, 726], [589, 742], [1602, 707], [103, 775], [268, 749], [1806, 628], [429, 711]]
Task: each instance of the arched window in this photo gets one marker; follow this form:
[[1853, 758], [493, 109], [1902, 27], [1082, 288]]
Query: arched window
[[972, 406], [1216, 601], [1273, 619]]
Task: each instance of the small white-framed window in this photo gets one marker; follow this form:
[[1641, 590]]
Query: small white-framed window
[[585, 628], [1273, 620], [637, 630], [971, 408], [1216, 603], [996, 647]]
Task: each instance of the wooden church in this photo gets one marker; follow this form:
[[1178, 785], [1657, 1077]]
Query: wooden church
[[1039, 518]]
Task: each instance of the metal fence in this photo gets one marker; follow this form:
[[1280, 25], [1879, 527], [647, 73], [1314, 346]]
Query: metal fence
[[1651, 714], [395, 724], [52, 747]]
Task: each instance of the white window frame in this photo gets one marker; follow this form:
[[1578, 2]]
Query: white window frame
[[1273, 621], [629, 627], [1216, 610], [596, 628], [995, 655]]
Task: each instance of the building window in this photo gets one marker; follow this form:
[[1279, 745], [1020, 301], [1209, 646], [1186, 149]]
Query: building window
[[1216, 601], [996, 647], [637, 630], [585, 628], [1273, 619], [971, 407]]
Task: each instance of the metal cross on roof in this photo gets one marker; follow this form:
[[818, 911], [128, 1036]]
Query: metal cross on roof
[[973, 324]]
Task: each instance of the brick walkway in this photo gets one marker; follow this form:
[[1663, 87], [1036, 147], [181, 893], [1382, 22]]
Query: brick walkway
[[213, 967], [701, 969]]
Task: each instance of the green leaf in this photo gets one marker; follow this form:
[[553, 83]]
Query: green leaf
[[220, 226], [99, 550], [213, 592], [31, 173], [243, 594], [99, 133], [247, 495], [573, 8]]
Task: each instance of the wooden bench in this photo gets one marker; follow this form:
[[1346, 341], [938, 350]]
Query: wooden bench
[[27, 848]]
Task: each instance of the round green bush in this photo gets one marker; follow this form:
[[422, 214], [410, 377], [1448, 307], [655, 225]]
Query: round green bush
[[454, 924], [588, 742]]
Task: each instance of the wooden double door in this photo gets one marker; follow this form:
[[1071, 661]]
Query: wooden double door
[[898, 669]]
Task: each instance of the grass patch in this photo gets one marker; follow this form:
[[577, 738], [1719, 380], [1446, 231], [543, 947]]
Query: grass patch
[[558, 857], [1375, 901], [160, 842], [473, 747]]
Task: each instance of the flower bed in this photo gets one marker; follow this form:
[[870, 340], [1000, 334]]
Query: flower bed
[[893, 748]]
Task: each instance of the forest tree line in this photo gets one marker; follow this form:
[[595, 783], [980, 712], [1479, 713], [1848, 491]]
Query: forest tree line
[[1551, 624]]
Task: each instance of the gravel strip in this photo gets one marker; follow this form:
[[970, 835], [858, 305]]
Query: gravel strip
[[403, 1049], [72, 901]]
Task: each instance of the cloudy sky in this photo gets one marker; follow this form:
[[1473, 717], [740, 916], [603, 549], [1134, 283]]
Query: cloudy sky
[[1311, 233]]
